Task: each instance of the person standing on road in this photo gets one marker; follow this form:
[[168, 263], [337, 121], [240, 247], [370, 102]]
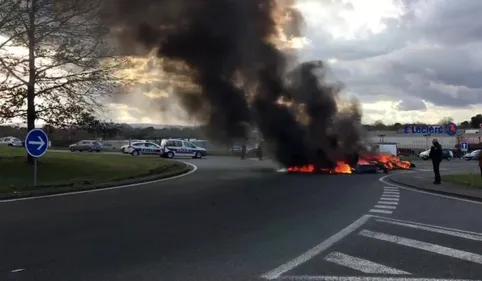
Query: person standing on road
[[480, 164], [436, 154]]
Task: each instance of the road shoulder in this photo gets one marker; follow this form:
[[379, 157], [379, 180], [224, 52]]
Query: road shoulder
[[423, 181]]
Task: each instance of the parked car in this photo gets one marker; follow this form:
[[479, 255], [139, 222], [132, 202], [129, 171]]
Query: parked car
[[11, 141], [447, 154], [125, 146], [474, 155], [86, 145], [178, 147], [148, 148]]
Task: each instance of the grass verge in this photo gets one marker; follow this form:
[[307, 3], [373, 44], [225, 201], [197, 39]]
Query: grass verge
[[470, 179], [76, 170]]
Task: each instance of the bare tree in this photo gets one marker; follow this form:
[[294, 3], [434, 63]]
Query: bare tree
[[55, 63]]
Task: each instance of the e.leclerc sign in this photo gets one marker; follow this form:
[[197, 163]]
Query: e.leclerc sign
[[449, 129]]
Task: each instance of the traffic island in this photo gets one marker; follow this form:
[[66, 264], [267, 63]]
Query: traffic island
[[458, 185], [67, 172]]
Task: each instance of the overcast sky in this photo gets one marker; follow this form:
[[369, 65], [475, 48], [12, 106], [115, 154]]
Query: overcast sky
[[406, 60]]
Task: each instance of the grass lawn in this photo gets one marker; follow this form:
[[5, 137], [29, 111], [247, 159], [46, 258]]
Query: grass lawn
[[60, 169], [471, 179]]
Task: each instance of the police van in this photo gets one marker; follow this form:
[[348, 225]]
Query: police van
[[181, 148], [148, 148]]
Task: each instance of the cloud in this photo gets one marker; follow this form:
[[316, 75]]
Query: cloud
[[411, 104], [423, 55]]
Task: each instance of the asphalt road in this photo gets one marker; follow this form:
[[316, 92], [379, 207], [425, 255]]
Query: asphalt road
[[242, 220]]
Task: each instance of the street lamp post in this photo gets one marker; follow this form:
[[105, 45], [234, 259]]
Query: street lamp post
[[426, 140]]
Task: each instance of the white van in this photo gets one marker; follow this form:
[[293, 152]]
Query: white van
[[181, 148]]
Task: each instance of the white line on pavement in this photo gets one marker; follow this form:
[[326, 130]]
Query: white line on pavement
[[362, 278], [388, 199], [429, 225], [381, 211], [476, 237], [391, 192], [390, 188], [362, 265], [385, 207], [429, 247], [388, 202], [306, 256], [194, 169], [383, 180], [391, 196]]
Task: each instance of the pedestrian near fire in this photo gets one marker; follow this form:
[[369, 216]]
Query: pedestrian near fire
[[436, 154]]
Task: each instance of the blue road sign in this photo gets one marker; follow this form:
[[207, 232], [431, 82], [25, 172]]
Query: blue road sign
[[36, 143], [464, 146]]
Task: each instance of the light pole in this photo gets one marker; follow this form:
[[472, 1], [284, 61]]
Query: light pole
[[426, 140]]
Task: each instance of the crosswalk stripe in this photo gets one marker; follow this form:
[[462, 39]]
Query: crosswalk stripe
[[385, 207], [391, 192], [362, 265], [390, 188], [380, 211], [429, 247], [388, 198], [388, 202], [361, 278], [391, 196], [436, 230]]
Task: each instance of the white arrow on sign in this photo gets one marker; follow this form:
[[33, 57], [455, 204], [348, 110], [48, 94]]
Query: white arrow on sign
[[40, 143]]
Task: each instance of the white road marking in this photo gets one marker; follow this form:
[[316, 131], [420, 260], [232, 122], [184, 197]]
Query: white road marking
[[306, 256], [391, 192], [429, 247], [362, 278], [382, 179], [362, 265], [381, 211], [17, 270], [476, 237], [390, 188], [418, 223], [388, 202], [388, 198], [385, 207], [194, 169], [391, 196]]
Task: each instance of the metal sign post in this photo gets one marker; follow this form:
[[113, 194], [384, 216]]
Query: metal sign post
[[36, 144]]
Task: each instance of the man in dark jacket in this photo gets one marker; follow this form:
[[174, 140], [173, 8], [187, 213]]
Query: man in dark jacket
[[436, 154]]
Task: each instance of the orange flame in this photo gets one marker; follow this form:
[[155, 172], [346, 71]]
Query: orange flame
[[390, 161], [341, 168]]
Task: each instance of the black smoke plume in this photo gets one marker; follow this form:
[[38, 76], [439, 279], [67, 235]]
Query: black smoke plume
[[242, 80]]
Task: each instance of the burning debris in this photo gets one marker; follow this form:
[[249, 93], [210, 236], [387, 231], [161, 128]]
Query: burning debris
[[368, 163], [235, 68]]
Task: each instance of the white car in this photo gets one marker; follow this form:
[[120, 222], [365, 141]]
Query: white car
[[124, 147], [424, 154], [474, 155], [11, 141], [147, 148], [447, 154], [181, 148]]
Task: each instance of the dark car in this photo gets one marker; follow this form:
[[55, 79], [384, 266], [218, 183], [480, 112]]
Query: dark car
[[86, 145], [447, 154]]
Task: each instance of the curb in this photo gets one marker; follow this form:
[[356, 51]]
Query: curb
[[441, 192], [62, 190]]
